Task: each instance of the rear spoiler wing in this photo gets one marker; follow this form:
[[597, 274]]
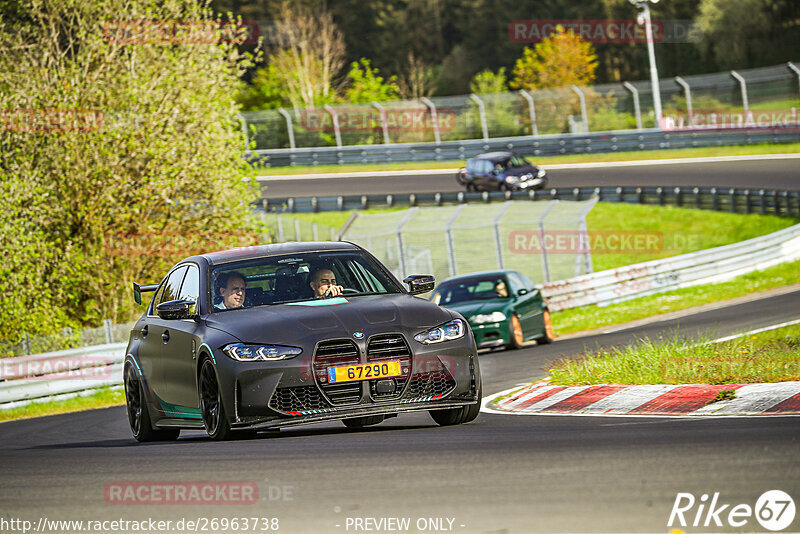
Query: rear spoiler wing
[[138, 290]]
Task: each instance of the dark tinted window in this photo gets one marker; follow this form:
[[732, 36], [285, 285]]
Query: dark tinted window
[[172, 286], [477, 288], [190, 290]]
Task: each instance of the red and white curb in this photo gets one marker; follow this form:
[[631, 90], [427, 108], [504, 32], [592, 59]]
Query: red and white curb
[[543, 398]]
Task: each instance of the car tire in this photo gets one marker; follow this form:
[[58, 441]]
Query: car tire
[[360, 422], [471, 187], [212, 410], [458, 416], [138, 415], [515, 334], [549, 333]]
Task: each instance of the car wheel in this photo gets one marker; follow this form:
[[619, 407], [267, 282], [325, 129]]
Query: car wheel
[[471, 187], [138, 416], [515, 334], [458, 416], [211, 408], [359, 422], [549, 332]]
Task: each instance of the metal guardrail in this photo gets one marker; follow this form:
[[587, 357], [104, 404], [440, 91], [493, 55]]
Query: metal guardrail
[[734, 200], [702, 267], [56, 374], [542, 145]]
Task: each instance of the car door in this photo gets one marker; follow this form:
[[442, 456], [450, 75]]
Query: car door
[[179, 349], [528, 304], [485, 176], [159, 334]]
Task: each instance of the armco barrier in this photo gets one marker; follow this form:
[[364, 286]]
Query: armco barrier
[[703, 267], [42, 376], [542, 145]]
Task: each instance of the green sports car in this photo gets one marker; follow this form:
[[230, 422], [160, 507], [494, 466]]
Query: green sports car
[[504, 308]]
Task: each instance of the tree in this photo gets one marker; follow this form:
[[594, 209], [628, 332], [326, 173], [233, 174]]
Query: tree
[[367, 86], [489, 82], [560, 60], [120, 153], [309, 54]]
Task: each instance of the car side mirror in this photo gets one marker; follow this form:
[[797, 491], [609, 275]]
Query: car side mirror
[[174, 309], [522, 291], [419, 283]]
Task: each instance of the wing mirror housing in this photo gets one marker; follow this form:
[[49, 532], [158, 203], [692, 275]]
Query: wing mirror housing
[[174, 309], [138, 290], [522, 291], [419, 283]]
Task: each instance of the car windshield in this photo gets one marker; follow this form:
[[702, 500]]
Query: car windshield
[[518, 161], [477, 288], [288, 278]]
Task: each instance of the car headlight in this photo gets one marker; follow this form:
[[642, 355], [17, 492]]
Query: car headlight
[[494, 317], [541, 173], [265, 353], [512, 179], [447, 332]]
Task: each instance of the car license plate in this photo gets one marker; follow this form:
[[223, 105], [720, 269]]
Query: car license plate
[[365, 371]]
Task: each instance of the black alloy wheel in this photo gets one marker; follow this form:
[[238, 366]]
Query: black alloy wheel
[[211, 408], [138, 416]]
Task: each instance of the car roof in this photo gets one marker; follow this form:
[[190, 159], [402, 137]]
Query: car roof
[[494, 156], [274, 249], [500, 272]]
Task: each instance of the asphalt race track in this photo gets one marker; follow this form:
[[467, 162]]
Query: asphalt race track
[[756, 174], [499, 474]]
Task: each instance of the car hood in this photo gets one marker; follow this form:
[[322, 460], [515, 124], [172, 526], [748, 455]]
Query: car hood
[[308, 322], [519, 171], [475, 307]]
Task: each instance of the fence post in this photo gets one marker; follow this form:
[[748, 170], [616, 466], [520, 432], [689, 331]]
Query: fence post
[[336, 130], [582, 98], [545, 261], [401, 254], [482, 112], [298, 235], [314, 231], [531, 110], [743, 84], [448, 231], [688, 93], [384, 126], [26, 344], [108, 331], [796, 70], [289, 127], [636, 109], [434, 118], [497, 242], [244, 131]]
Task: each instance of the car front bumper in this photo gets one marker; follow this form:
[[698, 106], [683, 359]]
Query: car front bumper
[[488, 335]]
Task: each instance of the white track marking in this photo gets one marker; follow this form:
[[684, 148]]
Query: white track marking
[[752, 399], [627, 399]]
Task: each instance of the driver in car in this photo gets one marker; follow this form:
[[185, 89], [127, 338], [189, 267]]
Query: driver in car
[[323, 283], [232, 290]]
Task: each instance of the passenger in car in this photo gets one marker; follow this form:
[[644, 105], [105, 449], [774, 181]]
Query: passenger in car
[[232, 288], [323, 283]]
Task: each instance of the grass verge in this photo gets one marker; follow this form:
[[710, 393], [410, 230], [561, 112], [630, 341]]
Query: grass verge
[[772, 356], [103, 398], [744, 150], [591, 317]]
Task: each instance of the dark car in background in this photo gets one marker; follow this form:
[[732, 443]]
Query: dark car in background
[[504, 308], [498, 171], [281, 357]]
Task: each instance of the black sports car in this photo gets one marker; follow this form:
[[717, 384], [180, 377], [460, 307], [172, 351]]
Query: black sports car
[[495, 171], [286, 334]]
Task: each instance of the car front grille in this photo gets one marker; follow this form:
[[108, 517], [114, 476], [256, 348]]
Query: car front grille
[[430, 380], [297, 399], [388, 347], [332, 354]]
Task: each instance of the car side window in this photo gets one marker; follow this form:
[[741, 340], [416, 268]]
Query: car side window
[[487, 166], [516, 283], [173, 285], [473, 165], [190, 289]]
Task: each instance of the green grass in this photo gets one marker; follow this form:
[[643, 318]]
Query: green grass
[[772, 356], [103, 398], [591, 317], [788, 148], [679, 230]]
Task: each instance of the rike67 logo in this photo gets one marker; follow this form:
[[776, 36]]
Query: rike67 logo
[[774, 510]]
